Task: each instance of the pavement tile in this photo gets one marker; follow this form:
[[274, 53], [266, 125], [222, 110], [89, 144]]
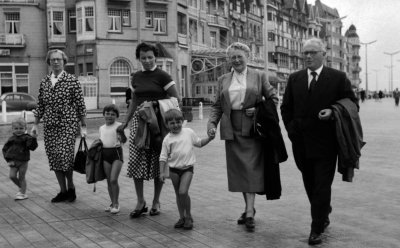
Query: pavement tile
[[365, 212]]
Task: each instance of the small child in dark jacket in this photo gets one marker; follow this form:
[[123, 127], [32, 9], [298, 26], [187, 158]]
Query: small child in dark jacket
[[16, 153]]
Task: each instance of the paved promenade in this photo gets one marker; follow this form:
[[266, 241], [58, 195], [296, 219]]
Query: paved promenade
[[366, 213]]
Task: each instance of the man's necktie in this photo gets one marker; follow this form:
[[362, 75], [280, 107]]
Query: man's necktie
[[313, 81]]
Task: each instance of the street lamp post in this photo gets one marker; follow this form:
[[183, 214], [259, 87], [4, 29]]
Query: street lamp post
[[366, 62], [391, 68], [330, 21]]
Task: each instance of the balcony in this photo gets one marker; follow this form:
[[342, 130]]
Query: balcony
[[183, 3], [217, 21], [295, 54], [12, 40], [182, 39], [280, 49], [164, 2], [17, 1]]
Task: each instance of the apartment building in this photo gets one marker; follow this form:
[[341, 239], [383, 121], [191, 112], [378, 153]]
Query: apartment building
[[100, 37], [22, 45], [352, 56]]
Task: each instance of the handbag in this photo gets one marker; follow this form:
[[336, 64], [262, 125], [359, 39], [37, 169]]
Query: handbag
[[80, 157]]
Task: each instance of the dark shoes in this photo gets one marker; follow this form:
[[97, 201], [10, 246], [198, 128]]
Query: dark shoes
[[60, 197], [242, 219], [155, 211], [138, 212], [188, 225], [314, 238], [250, 224], [69, 196], [180, 223]]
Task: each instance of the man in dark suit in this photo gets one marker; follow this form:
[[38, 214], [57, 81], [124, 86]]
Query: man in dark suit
[[308, 119]]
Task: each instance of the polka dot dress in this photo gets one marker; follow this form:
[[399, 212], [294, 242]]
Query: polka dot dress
[[60, 107], [143, 163]]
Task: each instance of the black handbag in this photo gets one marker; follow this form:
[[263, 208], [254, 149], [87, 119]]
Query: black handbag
[[80, 157]]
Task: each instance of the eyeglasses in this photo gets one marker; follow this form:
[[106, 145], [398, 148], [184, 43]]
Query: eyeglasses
[[56, 60], [312, 53]]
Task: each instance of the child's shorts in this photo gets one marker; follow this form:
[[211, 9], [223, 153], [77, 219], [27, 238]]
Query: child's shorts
[[17, 163], [112, 154], [180, 171]]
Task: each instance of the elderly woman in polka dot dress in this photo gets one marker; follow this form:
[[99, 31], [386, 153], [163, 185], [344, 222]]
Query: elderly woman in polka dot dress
[[62, 107]]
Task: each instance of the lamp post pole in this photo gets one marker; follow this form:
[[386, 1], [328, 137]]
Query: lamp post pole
[[366, 62], [391, 68]]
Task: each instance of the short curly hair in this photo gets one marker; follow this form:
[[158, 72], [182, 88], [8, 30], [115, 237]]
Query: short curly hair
[[238, 46], [173, 114], [145, 47]]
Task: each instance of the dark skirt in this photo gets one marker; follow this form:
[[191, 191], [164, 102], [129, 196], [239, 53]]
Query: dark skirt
[[244, 159]]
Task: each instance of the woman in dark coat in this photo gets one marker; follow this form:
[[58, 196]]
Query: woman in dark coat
[[238, 93], [62, 107]]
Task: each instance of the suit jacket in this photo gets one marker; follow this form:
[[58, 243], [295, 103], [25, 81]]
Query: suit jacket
[[300, 110], [267, 121], [257, 86], [349, 136]]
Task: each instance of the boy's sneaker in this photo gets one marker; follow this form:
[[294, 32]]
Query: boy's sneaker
[[21, 196], [114, 210], [108, 209]]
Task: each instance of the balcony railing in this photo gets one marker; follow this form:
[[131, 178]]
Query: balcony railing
[[217, 20], [181, 2], [162, 1], [17, 1], [12, 40], [281, 49]]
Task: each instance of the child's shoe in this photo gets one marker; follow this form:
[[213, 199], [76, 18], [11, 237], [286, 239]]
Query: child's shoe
[[188, 223], [114, 210], [108, 209], [21, 196]]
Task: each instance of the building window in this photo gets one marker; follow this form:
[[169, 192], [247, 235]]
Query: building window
[[149, 19], [213, 39], [58, 23], [12, 23], [72, 21], [182, 23], [126, 17], [210, 89], [198, 90], [119, 77], [233, 30], [14, 78], [85, 21], [241, 31], [114, 20], [193, 30], [156, 20], [89, 69], [160, 22]]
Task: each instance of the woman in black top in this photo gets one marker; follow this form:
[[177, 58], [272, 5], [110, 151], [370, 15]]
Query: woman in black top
[[148, 84]]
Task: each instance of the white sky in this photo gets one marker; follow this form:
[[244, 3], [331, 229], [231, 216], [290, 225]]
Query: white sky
[[374, 20]]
